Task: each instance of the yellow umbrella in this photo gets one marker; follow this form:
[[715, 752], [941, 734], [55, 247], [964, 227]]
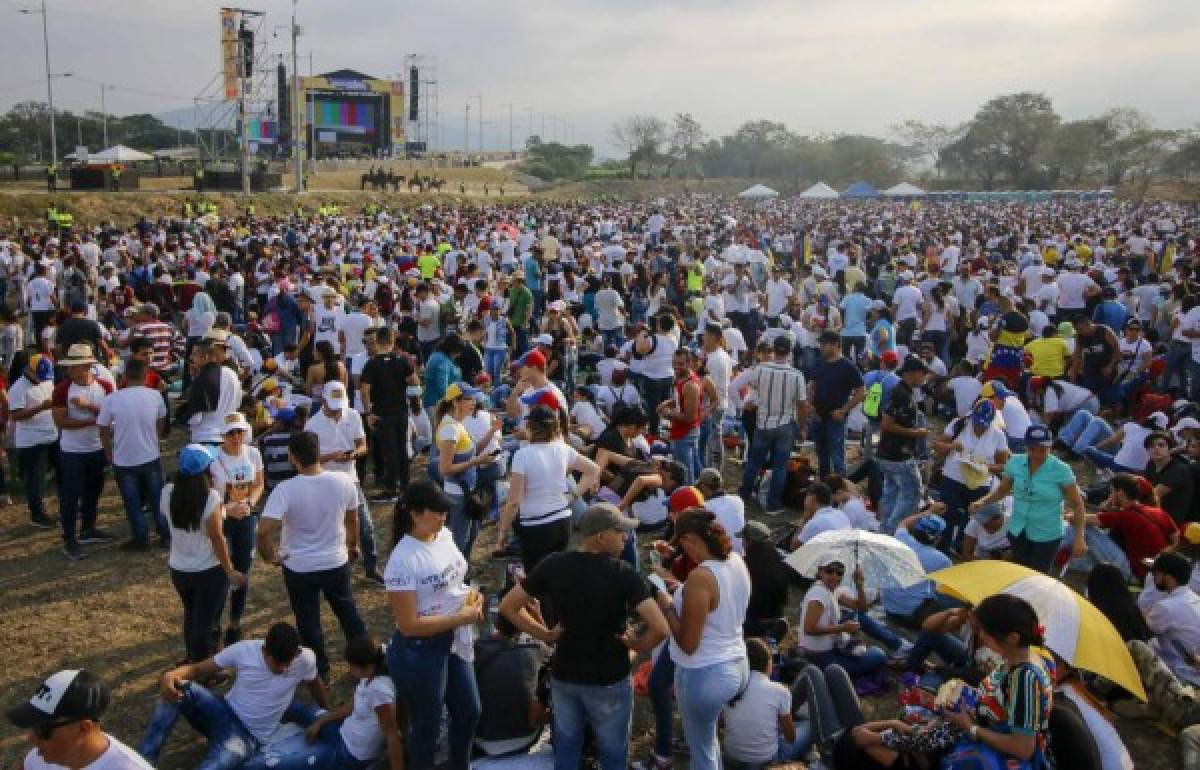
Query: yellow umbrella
[[1075, 629]]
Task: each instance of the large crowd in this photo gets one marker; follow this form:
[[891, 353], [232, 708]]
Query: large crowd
[[630, 421]]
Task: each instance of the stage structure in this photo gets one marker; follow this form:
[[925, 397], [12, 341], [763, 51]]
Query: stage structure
[[349, 114], [424, 127]]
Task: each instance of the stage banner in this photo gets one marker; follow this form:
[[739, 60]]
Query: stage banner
[[229, 53]]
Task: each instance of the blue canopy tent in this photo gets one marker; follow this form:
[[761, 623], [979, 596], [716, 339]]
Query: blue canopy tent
[[860, 190]]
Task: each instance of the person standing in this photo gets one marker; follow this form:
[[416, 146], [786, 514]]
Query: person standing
[[898, 444], [718, 367], [36, 434], [459, 457], [76, 404], [342, 441], [782, 407], [683, 412], [383, 388], [317, 545], [215, 393], [1039, 484], [610, 315], [131, 421], [835, 389], [593, 592], [974, 449]]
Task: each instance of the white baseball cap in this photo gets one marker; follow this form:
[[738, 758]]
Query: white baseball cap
[[333, 396]]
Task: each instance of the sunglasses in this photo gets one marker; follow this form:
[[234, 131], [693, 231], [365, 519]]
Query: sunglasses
[[44, 731]]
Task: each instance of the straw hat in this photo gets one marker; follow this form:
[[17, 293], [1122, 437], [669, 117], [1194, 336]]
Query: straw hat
[[78, 354]]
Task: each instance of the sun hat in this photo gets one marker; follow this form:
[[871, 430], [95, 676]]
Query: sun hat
[[216, 336], [70, 695], [234, 421], [333, 395], [195, 458], [79, 354]]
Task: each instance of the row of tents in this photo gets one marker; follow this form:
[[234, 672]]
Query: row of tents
[[823, 191]]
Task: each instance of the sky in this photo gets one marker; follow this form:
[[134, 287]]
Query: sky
[[852, 66]]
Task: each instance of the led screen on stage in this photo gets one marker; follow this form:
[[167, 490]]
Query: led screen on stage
[[344, 117]]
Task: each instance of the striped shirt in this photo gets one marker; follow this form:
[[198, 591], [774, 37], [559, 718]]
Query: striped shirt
[[160, 336], [780, 387]]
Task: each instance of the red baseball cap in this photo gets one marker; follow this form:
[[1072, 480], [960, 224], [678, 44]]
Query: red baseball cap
[[533, 358], [684, 499], [890, 358]]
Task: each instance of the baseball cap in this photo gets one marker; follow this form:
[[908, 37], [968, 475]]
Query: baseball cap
[[984, 413], [459, 390], [67, 696], [285, 415], [543, 339], [1185, 424], [334, 395], [234, 421], [542, 397], [602, 517], [1191, 533], [533, 358], [1066, 329], [711, 477], [931, 525], [684, 498], [994, 388], [755, 531], [890, 358], [828, 337], [195, 458], [782, 345], [913, 364], [1038, 435], [988, 512]]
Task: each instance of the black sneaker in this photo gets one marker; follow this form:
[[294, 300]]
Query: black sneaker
[[73, 551], [42, 522], [140, 546], [95, 536]]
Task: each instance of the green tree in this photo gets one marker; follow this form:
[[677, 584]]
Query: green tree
[[552, 160], [927, 140], [642, 137], [686, 139]]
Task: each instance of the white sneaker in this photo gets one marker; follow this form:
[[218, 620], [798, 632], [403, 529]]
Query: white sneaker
[[902, 653]]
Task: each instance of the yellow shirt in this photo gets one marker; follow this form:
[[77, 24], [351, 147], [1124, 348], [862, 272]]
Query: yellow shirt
[[428, 264], [1050, 356], [1050, 256]]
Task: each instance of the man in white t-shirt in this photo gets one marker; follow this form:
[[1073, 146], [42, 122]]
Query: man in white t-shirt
[[317, 545], [328, 319], [34, 432], [238, 724], [131, 420], [343, 440], [62, 719], [759, 727], [76, 404], [730, 510], [354, 327], [906, 302]]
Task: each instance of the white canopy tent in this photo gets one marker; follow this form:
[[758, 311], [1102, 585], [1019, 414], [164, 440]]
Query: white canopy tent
[[819, 190], [119, 154], [758, 192], [903, 190]]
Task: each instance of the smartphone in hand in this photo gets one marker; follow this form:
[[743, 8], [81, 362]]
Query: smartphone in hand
[[658, 583]]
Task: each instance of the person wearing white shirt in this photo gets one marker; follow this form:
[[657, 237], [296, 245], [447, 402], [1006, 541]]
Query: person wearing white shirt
[[974, 449], [355, 326], [317, 544], [131, 420], [778, 290], [730, 510], [34, 431], [1172, 611], [819, 514]]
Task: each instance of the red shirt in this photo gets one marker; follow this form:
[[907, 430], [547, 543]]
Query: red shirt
[[1145, 530]]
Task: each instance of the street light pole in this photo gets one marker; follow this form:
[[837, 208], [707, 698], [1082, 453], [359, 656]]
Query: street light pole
[[104, 113], [49, 79], [297, 112], [467, 131]]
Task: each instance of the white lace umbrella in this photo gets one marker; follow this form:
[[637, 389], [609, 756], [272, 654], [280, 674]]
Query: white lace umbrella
[[886, 562]]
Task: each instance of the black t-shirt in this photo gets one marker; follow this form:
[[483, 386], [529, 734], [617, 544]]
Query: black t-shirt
[[1176, 474], [903, 409], [593, 595], [833, 382], [470, 361], [387, 375], [507, 676], [611, 439], [74, 330]]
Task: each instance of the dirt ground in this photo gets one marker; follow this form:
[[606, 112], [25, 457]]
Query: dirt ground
[[116, 614]]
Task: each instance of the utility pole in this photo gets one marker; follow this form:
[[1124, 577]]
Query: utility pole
[[104, 113], [530, 134], [49, 79], [467, 131], [510, 134], [297, 111], [479, 96]]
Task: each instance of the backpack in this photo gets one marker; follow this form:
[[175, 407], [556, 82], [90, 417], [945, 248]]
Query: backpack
[[873, 403]]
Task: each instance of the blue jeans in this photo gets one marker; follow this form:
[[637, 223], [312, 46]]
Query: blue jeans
[[874, 629], [901, 492], [366, 533], [141, 486], [1101, 549], [1084, 430], [230, 744], [305, 590], [493, 363], [80, 481], [463, 529], [949, 648], [770, 447], [606, 709], [662, 682], [829, 439], [329, 752], [702, 693], [239, 537], [687, 451], [1179, 358], [712, 445], [856, 665], [654, 392], [430, 679], [1102, 458]]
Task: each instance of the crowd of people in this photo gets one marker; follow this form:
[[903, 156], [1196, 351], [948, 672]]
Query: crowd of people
[[649, 406]]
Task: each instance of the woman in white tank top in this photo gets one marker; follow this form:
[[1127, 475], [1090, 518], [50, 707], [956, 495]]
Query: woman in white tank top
[[706, 616]]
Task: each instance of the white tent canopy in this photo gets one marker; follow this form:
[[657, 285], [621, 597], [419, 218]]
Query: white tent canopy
[[903, 190], [758, 191], [119, 154], [819, 190]]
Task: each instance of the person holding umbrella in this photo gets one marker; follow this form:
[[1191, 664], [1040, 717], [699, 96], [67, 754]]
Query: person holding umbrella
[[1039, 483]]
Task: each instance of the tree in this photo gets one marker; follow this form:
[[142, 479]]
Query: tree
[[1014, 127], [551, 160], [642, 137], [928, 140], [686, 139], [979, 153], [1071, 154], [1148, 151], [1120, 129]]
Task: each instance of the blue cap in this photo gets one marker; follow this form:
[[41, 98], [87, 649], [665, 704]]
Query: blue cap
[[195, 459], [931, 524], [1038, 435], [285, 415], [983, 414]]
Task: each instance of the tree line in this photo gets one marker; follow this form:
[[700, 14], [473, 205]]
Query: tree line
[[25, 132], [1014, 141]]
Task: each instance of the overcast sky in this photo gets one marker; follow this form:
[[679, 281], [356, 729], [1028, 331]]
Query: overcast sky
[[818, 66]]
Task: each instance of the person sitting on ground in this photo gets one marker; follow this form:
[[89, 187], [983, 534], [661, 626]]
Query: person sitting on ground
[[759, 727], [1172, 611], [986, 534], [770, 580], [62, 721], [240, 722], [910, 606], [818, 514], [1136, 529], [824, 637]]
